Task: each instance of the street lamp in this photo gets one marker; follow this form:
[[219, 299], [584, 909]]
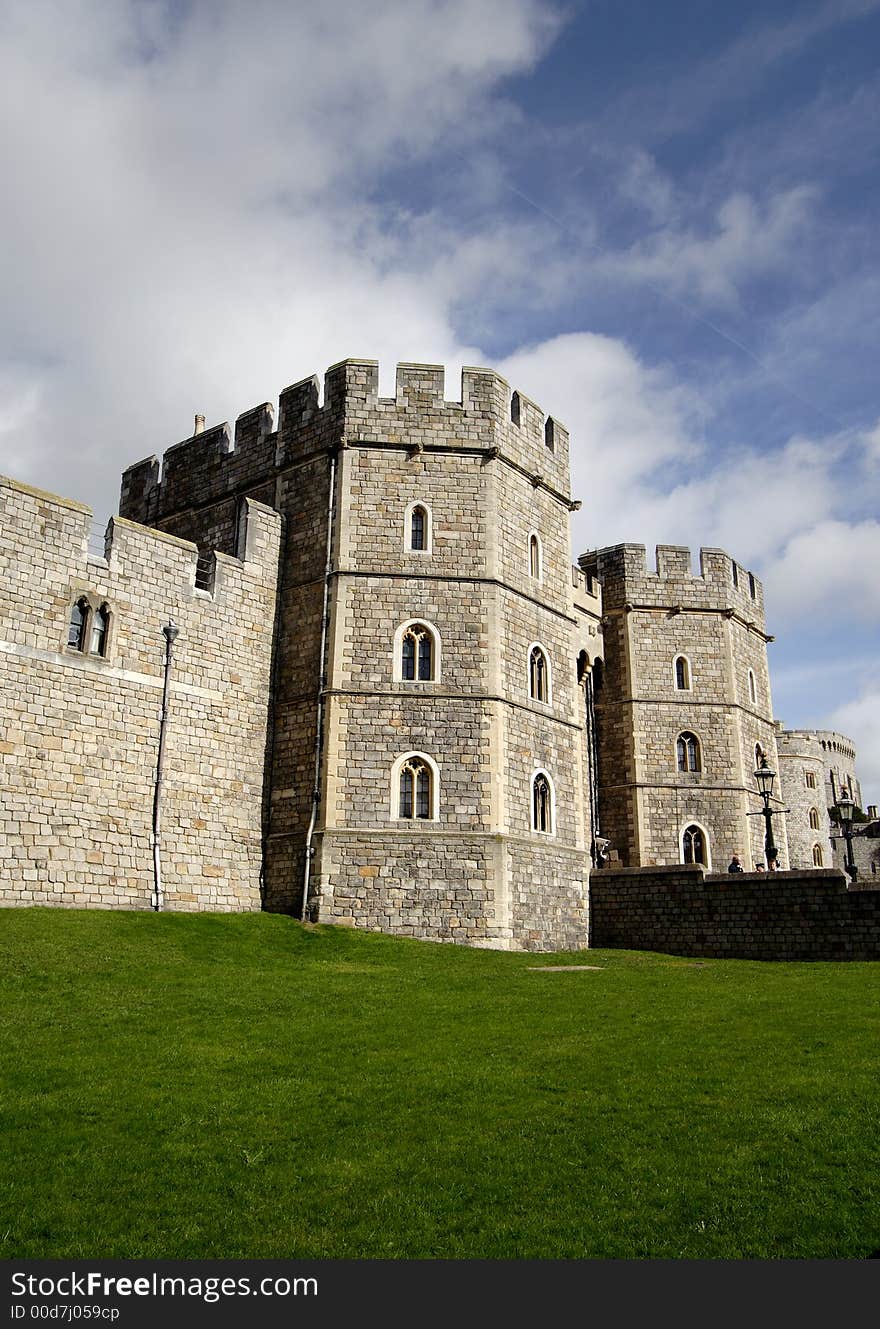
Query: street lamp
[[845, 807], [764, 777]]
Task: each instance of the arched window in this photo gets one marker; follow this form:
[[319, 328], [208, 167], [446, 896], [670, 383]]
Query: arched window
[[688, 753], [417, 654], [100, 624], [753, 692], [417, 533], [759, 754], [414, 788], [682, 673], [76, 631], [549, 433], [418, 522], [535, 556], [514, 409], [693, 846], [814, 819], [539, 675], [542, 803], [817, 856]]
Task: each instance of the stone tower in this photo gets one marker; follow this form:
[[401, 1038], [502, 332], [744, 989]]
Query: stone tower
[[683, 708], [815, 766], [427, 769]]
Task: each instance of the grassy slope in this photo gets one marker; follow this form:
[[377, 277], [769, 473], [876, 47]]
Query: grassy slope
[[183, 1086]]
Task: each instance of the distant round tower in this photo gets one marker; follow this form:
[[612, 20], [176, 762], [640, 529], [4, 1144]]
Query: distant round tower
[[802, 775], [684, 712]]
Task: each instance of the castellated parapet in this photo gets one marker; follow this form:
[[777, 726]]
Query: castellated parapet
[[685, 706], [487, 581], [81, 681]]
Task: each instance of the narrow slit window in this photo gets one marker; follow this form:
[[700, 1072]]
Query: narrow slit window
[[534, 557], [538, 681], [682, 674], [418, 528], [100, 624], [542, 804]]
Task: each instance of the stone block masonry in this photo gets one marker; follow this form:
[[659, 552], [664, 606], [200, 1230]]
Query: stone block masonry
[[490, 579], [680, 910], [79, 720]]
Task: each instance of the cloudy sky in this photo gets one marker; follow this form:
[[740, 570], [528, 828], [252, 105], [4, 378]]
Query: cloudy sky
[[656, 219]]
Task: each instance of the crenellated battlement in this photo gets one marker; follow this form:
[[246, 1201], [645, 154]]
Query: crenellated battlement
[[720, 583], [131, 550], [214, 463]]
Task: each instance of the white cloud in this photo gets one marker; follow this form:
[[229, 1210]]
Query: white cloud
[[748, 239], [193, 223], [860, 720]]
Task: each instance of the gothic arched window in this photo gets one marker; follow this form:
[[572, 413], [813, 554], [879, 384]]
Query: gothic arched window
[[418, 528], [688, 753], [539, 675], [417, 654], [100, 625], [682, 673], [542, 803], [535, 556], [814, 819], [76, 630], [415, 791], [753, 691], [817, 856], [693, 846]]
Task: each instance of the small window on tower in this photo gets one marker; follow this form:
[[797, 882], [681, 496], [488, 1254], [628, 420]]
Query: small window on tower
[[682, 673], [418, 528], [100, 624], [688, 753], [76, 631]]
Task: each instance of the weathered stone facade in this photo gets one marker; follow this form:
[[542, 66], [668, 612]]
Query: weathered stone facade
[[683, 707], [80, 722], [395, 704], [491, 583], [683, 911]]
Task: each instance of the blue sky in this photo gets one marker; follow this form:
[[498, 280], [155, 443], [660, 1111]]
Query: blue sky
[[658, 220]]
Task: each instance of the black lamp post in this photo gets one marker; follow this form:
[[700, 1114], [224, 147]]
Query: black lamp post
[[845, 807], [764, 777]]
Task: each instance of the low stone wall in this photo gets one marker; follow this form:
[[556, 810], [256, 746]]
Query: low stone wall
[[805, 915]]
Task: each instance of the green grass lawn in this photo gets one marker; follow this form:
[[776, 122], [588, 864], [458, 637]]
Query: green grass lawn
[[236, 1086]]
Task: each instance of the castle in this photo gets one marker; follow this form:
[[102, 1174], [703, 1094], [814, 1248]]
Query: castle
[[348, 658]]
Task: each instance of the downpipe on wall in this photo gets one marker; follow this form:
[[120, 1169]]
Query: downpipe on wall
[[319, 719], [170, 631]]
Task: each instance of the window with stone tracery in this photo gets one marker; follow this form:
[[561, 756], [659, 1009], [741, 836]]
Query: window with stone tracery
[[693, 846], [417, 654], [539, 675], [415, 790], [688, 753], [542, 803]]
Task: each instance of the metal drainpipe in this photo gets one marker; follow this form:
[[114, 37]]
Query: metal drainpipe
[[319, 721], [170, 630]]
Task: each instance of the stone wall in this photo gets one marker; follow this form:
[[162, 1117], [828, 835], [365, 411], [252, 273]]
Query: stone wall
[[79, 726], [748, 916]]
